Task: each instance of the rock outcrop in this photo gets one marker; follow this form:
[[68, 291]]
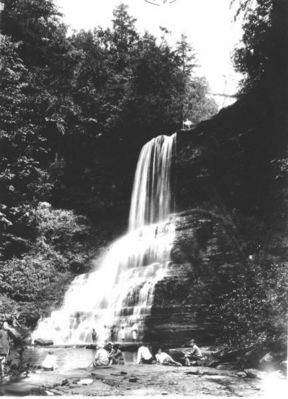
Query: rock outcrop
[[232, 207], [205, 258]]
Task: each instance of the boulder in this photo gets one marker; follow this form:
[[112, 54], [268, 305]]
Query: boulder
[[43, 342], [226, 366], [249, 358], [22, 389], [254, 373], [241, 374], [209, 371], [267, 362], [91, 346], [85, 381]]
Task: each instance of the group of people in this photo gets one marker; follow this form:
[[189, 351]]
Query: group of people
[[107, 355], [145, 356], [114, 333], [110, 354], [191, 356]]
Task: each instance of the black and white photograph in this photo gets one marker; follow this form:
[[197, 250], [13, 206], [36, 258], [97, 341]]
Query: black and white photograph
[[144, 198]]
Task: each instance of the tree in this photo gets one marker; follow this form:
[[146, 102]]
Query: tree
[[33, 23], [22, 178], [263, 59], [48, 55], [187, 56], [98, 95], [197, 105], [124, 34], [262, 56], [254, 310]]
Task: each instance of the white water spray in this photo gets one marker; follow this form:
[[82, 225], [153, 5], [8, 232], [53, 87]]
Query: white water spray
[[120, 290]]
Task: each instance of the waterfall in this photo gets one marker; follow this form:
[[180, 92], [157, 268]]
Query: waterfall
[[152, 197], [118, 293]]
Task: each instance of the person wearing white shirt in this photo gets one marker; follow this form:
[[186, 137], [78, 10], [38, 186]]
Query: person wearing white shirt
[[144, 355], [101, 357], [50, 362], [193, 355], [165, 359]]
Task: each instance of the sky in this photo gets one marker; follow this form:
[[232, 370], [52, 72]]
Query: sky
[[208, 24]]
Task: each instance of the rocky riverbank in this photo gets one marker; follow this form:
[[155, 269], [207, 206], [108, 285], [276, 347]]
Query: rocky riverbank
[[224, 377], [134, 379]]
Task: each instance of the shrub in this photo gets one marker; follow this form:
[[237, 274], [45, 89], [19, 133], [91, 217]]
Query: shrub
[[60, 242], [254, 312]]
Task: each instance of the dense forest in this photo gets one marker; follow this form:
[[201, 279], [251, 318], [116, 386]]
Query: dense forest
[[235, 164], [75, 112]]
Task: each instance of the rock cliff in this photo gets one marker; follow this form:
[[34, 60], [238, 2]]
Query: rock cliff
[[230, 177]]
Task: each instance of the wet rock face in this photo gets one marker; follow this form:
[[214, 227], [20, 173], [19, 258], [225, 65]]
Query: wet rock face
[[205, 257], [233, 201]]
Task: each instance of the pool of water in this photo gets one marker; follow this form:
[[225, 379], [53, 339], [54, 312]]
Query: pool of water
[[68, 358]]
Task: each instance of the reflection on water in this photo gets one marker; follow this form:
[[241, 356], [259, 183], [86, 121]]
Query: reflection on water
[[67, 358]]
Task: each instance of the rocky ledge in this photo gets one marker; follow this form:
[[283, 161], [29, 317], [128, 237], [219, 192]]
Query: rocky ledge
[[205, 257]]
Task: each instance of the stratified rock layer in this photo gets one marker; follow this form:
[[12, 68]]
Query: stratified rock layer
[[205, 257]]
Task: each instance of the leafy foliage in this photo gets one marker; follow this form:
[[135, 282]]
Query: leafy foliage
[[75, 112], [95, 97], [260, 56], [254, 310], [61, 242], [252, 57], [22, 178]]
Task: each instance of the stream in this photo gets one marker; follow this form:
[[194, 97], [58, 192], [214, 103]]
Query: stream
[[72, 377], [68, 358]]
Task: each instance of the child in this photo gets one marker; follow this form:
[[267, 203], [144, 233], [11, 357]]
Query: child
[[116, 356]]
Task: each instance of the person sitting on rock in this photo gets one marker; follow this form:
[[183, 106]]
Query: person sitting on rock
[[4, 350], [144, 354], [164, 358], [116, 356], [194, 354], [109, 348], [101, 357], [50, 362]]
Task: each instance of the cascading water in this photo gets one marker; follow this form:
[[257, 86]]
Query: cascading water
[[120, 290]]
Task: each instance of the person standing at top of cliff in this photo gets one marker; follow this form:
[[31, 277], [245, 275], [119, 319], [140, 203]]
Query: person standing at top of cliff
[[4, 350]]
